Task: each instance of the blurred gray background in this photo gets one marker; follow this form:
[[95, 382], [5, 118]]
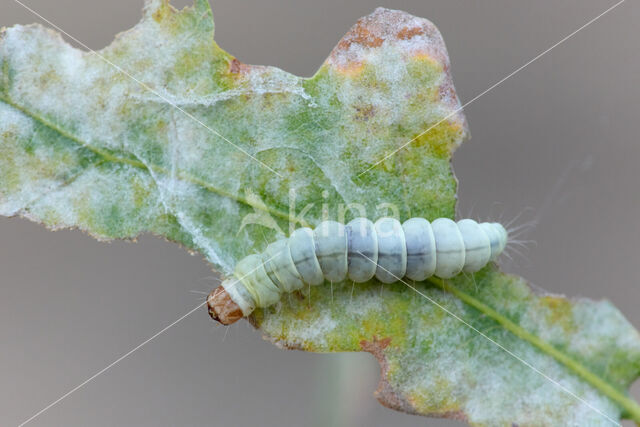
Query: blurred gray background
[[558, 141]]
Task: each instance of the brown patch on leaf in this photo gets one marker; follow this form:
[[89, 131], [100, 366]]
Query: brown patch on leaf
[[385, 393], [161, 13], [406, 33], [238, 68], [234, 66], [361, 35], [375, 346], [452, 415], [364, 112]]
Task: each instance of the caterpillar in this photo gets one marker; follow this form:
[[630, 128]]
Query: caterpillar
[[360, 250]]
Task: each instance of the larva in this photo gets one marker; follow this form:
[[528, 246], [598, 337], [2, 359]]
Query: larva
[[416, 249]]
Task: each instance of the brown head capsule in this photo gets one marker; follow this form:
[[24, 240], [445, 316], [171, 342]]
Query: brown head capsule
[[222, 308]]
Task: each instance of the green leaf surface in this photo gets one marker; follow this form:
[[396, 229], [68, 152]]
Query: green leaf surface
[[164, 132]]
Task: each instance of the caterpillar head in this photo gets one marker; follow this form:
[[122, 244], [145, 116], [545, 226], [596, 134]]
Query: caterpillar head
[[222, 308]]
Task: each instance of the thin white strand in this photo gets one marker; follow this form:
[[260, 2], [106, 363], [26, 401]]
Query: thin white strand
[[517, 217], [524, 226], [517, 252], [226, 332]]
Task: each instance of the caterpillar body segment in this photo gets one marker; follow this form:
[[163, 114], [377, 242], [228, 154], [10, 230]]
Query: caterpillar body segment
[[392, 250], [421, 249], [302, 250], [281, 268], [359, 250], [362, 254], [476, 243], [331, 250], [450, 250]]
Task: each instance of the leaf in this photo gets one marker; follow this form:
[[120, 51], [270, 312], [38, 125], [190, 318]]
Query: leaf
[[164, 132]]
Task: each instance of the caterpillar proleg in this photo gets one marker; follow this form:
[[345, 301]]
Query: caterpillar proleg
[[387, 249]]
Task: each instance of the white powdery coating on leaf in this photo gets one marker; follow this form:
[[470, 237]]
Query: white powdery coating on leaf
[[304, 332], [598, 328], [174, 194], [531, 390], [261, 81], [468, 374], [14, 203], [603, 330], [15, 122], [58, 73], [362, 303]]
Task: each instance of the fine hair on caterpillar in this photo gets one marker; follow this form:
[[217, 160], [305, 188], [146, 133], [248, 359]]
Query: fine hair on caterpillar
[[360, 250], [517, 229]]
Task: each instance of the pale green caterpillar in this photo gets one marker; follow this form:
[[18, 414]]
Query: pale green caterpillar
[[416, 249]]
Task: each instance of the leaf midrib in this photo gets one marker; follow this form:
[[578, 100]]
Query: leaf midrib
[[631, 408], [185, 176]]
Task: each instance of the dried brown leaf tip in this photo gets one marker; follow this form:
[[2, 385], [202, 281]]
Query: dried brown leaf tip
[[386, 27], [393, 36]]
